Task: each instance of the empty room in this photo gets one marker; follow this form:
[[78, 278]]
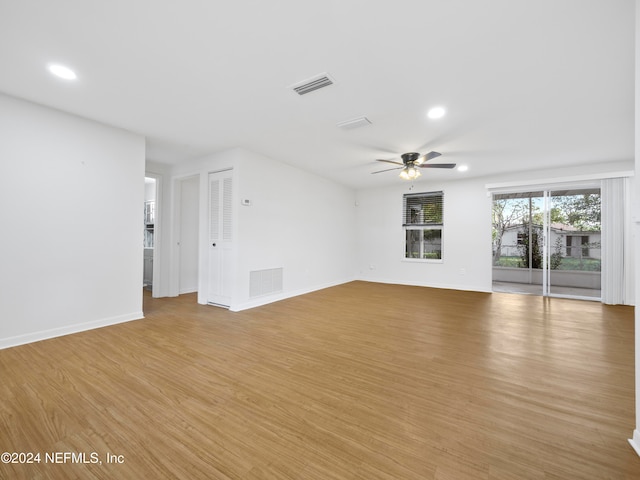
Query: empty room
[[302, 240]]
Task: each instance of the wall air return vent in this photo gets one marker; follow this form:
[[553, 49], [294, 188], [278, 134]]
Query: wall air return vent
[[313, 84], [265, 282]]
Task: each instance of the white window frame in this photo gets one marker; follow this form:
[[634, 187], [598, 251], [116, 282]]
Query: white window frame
[[422, 226]]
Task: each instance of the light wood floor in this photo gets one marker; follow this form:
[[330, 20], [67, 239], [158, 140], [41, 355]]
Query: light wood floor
[[360, 381]]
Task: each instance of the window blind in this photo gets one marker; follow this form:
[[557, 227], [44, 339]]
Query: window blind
[[422, 209]]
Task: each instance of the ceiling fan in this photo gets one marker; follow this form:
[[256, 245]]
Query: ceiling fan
[[412, 162]]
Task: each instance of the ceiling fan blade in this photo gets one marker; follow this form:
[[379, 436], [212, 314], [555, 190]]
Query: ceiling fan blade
[[426, 157], [388, 170], [437, 165], [391, 161]]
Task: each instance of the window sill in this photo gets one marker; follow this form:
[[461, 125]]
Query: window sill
[[422, 260]]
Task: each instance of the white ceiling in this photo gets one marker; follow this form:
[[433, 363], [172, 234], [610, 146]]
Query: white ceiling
[[526, 84]]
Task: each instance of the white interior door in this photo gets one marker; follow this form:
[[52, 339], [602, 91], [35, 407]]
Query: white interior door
[[188, 240], [220, 237]]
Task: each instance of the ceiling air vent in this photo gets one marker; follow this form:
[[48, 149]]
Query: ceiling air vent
[[354, 123], [312, 84]]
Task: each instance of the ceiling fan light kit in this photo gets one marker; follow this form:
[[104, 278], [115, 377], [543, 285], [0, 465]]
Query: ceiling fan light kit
[[410, 173], [412, 162]]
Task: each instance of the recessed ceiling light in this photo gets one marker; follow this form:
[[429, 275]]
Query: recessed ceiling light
[[463, 168], [436, 112], [62, 72]]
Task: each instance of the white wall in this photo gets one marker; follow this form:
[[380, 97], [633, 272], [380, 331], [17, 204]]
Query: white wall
[[466, 237], [312, 229], [72, 192], [298, 221], [466, 263]]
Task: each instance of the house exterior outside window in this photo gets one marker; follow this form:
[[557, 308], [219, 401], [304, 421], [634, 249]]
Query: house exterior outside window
[[422, 220]]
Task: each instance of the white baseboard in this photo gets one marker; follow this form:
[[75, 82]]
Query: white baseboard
[[635, 441], [67, 330], [257, 302], [188, 290], [469, 288]]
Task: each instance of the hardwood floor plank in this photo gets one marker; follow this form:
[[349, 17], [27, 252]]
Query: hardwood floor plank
[[359, 381]]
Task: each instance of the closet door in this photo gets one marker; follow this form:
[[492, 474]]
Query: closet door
[[220, 237]]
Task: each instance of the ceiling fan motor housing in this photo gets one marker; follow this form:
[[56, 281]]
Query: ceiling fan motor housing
[[410, 157]]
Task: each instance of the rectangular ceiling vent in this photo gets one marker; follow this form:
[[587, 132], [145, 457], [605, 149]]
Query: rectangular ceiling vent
[[313, 84], [354, 123]]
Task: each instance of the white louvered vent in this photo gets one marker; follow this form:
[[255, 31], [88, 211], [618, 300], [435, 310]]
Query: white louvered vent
[[265, 282], [354, 123], [313, 84]]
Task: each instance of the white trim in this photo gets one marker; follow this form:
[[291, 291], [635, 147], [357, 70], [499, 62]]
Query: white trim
[[635, 441], [572, 181], [574, 297], [157, 235], [67, 330], [188, 290], [282, 296], [444, 286], [421, 260]]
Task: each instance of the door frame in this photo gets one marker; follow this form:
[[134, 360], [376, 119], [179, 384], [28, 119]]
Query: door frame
[[547, 249], [157, 236]]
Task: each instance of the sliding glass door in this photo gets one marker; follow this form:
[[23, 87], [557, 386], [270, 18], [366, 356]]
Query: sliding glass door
[[547, 242], [517, 233], [573, 234]]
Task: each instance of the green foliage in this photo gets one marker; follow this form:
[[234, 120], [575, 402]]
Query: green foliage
[[556, 257], [504, 213], [557, 216], [536, 250], [580, 211], [534, 246], [513, 262], [432, 212], [581, 264]]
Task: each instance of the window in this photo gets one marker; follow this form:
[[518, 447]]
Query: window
[[585, 245], [578, 246], [422, 222]]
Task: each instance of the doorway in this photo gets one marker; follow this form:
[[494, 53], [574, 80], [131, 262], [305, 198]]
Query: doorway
[[547, 242], [149, 231]]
